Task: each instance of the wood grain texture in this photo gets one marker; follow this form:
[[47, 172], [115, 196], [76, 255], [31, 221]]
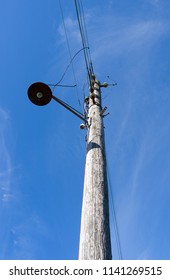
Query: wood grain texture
[[95, 241]]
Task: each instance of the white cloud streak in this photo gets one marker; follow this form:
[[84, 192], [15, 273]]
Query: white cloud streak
[[112, 37], [19, 231], [5, 163], [127, 37], [116, 35], [5, 181], [72, 30], [24, 233]]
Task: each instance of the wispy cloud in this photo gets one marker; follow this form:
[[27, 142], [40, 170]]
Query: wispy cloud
[[125, 36], [159, 4], [71, 28], [5, 163], [115, 33], [154, 2], [112, 37], [6, 194], [24, 236], [145, 254]]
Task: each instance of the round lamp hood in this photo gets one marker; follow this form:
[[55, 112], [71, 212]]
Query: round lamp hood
[[39, 94]]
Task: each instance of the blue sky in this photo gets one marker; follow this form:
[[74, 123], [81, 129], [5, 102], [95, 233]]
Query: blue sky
[[42, 149]]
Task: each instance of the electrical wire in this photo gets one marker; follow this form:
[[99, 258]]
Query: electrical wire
[[65, 86], [79, 18], [113, 212], [89, 67], [84, 37], [69, 50], [63, 75], [87, 41]]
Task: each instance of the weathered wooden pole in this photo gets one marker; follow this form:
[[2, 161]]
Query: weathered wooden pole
[[95, 243]]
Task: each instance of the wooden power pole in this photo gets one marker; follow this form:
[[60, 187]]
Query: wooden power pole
[[95, 243]]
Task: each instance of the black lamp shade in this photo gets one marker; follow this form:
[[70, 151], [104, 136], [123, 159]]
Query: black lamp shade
[[40, 94]]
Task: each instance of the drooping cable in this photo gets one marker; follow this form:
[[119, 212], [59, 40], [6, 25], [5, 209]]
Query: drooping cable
[[64, 85], [63, 75], [114, 216]]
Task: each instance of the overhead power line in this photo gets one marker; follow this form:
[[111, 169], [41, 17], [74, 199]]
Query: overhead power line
[[84, 37], [69, 50], [114, 216]]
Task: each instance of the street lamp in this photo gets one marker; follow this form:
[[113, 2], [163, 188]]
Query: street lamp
[[40, 94]]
